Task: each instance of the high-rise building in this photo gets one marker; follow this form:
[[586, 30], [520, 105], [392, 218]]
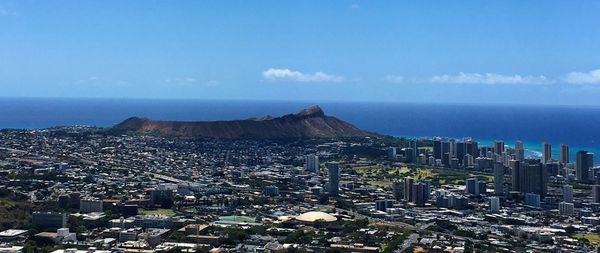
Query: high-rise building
[[595, 174], [408, 188], [472, 148], [383, 204], [409, 155], [533, 177], [398, 189], [431, 161], [519, 145], [498, 178], [585, 161], [333, 169], [564, 154], [481, 187], [446, 159], [311, 163], [437, 149], [461, 151], [595, 193], [568, 193], [468, 161], [452, 148], [546, 152], [427, 188], [413, 145], [419, 192], [532, 199], [552, 167], [494, 204], [566, 208], [519, 151], [471, 186], [446, 148], [392, 152], [515, 175], [499, 147]]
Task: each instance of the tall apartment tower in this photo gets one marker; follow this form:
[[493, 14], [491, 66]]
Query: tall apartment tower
[[392, 152], [564, 154], [398, 189], [333, 168], [595, 193], [472, 148], [533, 177], [519, 151], [568, 193], [446, 149], [437, 149], [585, 161], [499, 147], [546, 152], [516, 167], [498, 178], [311, 163], [461, 151], [408, 188], [419, 193], [413, 144]]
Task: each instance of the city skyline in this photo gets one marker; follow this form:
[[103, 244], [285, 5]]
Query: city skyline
[[299, 126], [445, 52]]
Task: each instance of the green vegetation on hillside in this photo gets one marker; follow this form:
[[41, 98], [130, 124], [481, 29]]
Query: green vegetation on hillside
[[14, 214]]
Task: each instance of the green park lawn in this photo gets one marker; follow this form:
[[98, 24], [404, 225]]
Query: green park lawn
[[593, 238], [156, 212]]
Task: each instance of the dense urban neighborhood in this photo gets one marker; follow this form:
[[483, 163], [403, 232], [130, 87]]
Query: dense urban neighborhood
[[79, 189]]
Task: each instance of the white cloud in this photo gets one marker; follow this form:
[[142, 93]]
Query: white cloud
[[274, 74], [190, 81], [354, 6], [101, 81], [592, 77], [489, 78], [393, 78]]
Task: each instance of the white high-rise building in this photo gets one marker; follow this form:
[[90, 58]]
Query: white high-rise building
[[311, 163]]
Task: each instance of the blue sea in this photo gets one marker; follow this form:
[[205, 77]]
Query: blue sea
[[577, 126]]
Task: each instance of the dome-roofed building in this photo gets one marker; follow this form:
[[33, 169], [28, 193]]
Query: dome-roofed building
[[313, 216]]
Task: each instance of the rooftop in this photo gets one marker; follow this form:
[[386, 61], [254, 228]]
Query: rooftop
[[12, 232], [314, 216]]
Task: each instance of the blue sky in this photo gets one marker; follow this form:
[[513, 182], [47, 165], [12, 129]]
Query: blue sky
[[526, 52]]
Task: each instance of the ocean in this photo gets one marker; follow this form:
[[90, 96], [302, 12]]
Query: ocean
[[577, 126]]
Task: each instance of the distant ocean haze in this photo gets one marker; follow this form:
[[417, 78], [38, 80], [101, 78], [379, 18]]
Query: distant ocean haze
[[576, 126]]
